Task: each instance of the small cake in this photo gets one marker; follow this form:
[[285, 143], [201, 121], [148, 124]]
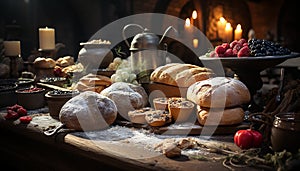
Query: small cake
[[138, 115], [180, 108], [158, 117], [160, 103]]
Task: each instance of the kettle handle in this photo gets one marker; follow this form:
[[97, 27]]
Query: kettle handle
[[167, 30], [123, 32]]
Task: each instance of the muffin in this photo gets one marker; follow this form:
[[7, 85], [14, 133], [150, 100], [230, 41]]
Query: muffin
[[180, 108], [138, 115], [160, 103], [158, 118]]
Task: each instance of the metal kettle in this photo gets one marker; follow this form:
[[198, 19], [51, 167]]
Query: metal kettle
[[146, 51]]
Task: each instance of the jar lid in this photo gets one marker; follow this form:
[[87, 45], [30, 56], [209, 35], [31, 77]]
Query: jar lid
[[145, 40]]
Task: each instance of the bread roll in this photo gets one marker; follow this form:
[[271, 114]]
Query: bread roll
[[219, 92], [181, 75], [217, 116], [88, 111], [41, 62], [127, 97], [65, 61], [92, 82]]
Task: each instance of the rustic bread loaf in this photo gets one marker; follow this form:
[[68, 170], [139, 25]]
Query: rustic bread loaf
[[218, 116], [41, 62], [93, 82], [127, 97], [88, 111], [219, 92], [180, 75]]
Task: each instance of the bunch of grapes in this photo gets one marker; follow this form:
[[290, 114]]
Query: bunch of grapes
[[124, 72], [261, 47]]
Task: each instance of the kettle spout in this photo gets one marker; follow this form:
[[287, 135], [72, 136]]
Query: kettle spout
[[166, 32]]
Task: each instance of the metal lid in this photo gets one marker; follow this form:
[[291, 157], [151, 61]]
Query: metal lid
[[145, 40]]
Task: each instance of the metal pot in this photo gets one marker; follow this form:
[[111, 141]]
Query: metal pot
[[146, 50]]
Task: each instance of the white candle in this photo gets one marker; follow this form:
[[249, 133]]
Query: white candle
[[195, 43], [47, 38], [228, 32], [238, 32], [12, 48], [221, 24]]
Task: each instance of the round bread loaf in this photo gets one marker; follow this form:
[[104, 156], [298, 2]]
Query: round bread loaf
[[180, 75], [41, 62], [219, 92], [228, 116], [88, 111], [127, 97]]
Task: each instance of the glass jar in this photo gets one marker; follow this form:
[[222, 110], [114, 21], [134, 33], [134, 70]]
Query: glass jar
[[285, 133]]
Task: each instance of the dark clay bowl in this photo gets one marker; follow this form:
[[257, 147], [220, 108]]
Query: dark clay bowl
[[8, 96], [31, 98]]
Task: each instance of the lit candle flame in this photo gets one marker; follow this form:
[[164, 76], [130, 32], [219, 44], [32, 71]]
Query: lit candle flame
[[194, 14], [222, 20], [187, 22]]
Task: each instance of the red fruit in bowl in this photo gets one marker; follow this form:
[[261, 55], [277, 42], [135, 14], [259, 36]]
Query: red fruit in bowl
[[220, 50], [238, 46], [233, 43], [242, 41], [245, 44], [243, 52], [228, 53], [213, 54], [226, 46]]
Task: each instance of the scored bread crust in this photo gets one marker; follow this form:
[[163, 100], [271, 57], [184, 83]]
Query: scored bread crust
[[227, 116], [41, 62], [219, 92], [181, 75]]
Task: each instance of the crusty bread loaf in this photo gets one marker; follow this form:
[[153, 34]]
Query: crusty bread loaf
[[93, 82], [180, 75], [88, 111], [219, 92], [127, 97], [41, 62], [65, 61], [217, 116]]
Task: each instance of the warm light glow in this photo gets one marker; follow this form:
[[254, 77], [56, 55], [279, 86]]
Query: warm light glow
[[195, 43], [228, 26], [228, 32], [238, 27], [221, 27], [187, 22], [194, 14], [222, 20], [238, 32]]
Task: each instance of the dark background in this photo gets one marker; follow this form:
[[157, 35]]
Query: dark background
[[76, 21]]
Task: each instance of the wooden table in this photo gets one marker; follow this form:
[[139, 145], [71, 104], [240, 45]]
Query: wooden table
[[25, 147]]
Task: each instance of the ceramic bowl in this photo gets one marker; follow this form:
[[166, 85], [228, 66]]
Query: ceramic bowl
[[58, 81], [55, 99], [31, 98], [8, 96]]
